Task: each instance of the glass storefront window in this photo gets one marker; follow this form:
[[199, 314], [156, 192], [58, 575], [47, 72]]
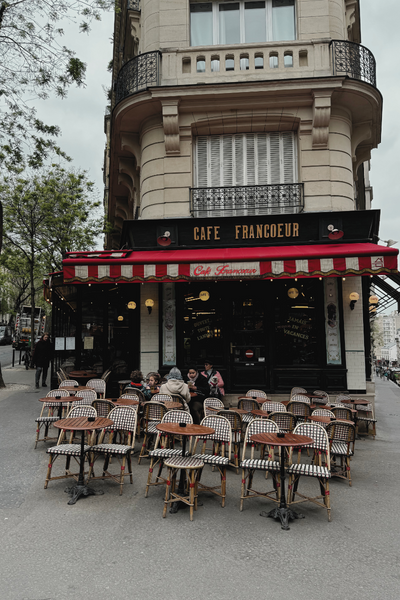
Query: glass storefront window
[[296, 320]]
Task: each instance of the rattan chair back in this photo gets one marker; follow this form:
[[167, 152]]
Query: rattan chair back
[[85, 410], [256, 394], [300, 409], [322, 412], [297, 390], [103, 407], [162, 398], [273, 407], [323, 397], [213, 403], [345, 433], [106, 375], [341, 412], [319, 436], [87, 397], [222, 438], [300, 398], [257, 426], [99, 385], [235, 421], [286, 421], [68, 383], [248, 404]]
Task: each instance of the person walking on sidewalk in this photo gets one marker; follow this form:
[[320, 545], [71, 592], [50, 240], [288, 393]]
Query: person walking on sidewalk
[[41, 359]]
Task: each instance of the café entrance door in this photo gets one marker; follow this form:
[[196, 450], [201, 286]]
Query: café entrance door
[[248, 339]]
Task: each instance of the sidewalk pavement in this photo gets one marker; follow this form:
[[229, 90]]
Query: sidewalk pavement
[[120, 545]]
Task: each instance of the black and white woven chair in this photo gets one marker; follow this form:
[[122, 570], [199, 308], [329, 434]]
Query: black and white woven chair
[[323, 397], [297, 390], [302, 410], [47, 416], [250, 465], [342, 412], [103, 407], [69, 450], [86, 397], [248, 404], [124, 419], [212, 403], [99, 385], [164, 447], [235, 420], [256, 394], [221, 452], [365, 415], [341, 444], [320, 468], [273, 407], [69, 383], [300, 398], [153, 413], [192, 467], [162, 398], [286, 421], [323, 412]]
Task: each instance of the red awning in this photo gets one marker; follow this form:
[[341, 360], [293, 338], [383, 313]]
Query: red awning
[[267, 262]]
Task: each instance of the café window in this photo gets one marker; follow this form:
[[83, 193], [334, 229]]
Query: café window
[[202, 316], [241, 22], [297, 340], [245, 159]]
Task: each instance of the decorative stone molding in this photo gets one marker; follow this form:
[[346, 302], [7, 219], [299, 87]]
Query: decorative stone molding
[[131, 142], [321, 118], [171, 126], [361, 132]]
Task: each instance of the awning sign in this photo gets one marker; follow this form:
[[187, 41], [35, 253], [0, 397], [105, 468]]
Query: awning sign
[[221, 270]]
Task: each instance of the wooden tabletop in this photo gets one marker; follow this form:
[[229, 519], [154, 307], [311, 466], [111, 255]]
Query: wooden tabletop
[[125, 402], [188, 430], [289, 439], [256, 398], [261, 413], [75, 388], [82, 423], [322, 419], [63, 399], [355, 401]]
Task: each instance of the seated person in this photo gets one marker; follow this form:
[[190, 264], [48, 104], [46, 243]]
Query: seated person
[[215, 381], [198, 385], [153, 385], [175, 385], [136, 381]]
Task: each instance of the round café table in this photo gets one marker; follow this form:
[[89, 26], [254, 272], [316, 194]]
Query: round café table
[[185, 432], [82, 424], [293, 440], [74, 389], [59, 401], [261, 413], [123, 401]]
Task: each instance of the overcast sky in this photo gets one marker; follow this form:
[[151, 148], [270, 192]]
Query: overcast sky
[[81, 115]]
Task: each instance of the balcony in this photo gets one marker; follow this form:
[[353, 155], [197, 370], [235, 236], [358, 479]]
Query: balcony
[[273, 199], [246, 63], [138, 74], [354, 61]]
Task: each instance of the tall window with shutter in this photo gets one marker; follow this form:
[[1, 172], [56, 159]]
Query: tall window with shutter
[[250, 161]]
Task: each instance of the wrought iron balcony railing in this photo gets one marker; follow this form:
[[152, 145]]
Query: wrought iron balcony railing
[[138, 74], [353, 60], [134, 5], [247, 200]]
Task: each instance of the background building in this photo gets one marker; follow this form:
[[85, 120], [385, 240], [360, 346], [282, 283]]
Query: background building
[[236, 175]]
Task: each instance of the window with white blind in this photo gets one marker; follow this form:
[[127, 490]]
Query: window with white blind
[[241, 22], [245, 159]]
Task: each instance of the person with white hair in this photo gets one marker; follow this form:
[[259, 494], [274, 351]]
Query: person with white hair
[[176, 385]]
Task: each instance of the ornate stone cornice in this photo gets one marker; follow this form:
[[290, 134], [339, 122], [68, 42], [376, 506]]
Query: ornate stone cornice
[[170, 115], [321, 118]]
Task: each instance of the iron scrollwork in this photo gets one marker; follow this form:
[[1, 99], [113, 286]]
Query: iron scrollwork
[[138, 74], [247, 200], [354, 60]]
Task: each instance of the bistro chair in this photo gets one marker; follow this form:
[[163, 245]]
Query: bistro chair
[[103, 407], [249, 405], [323, 397], [162, 398], [273, 407], [132, 396], [250, 465], [99, 385], [212, 403], [300, 398], [182, 401], [134, 391], [47, 417], [87, 397], [341, 412], [68, 383], [153, 413], [192, 467], [235, 420], [302, 410], [164, 447], [69, 450], [106, 375], [320, 468], [341, 445], [342, 398], [221, 452], [323, 412], [124, 423], [365, 415], [297, 390], [286, 421], [256, 394]]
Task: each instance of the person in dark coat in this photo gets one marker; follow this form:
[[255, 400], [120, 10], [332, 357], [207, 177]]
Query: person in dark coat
[[41, 359], [198, 386]]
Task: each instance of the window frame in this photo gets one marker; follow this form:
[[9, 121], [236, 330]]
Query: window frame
[[215, 21]]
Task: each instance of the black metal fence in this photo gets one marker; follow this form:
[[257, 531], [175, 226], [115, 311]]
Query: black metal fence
[[247, 200], [353, 60], [138, 74]]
